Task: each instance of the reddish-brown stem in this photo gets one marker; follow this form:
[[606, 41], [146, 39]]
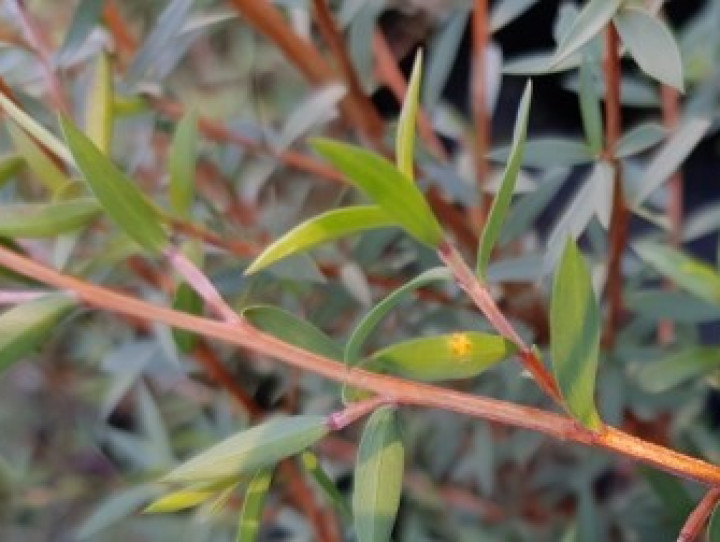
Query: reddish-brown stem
[[266, 19], [699, 517], [351, 414], [35, 36], [619, 217], [671, 117], [401, 391], [123, 38], [334, 39], [478, 92], [485, 302]]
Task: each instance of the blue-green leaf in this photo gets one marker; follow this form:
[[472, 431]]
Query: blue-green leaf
[[182, 165], [549, 152], [383, 183], [575, 336], [501, 203], [590, 108], [639, 139], [678, 367], [85, 19], [120, 198], [588, 24]]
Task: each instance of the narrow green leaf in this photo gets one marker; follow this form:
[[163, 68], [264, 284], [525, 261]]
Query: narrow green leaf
[[384, 184], [688, 273], [179, 500], [505, 12], [322, 229], [443, 357], [183, 153], [679, 367], [119, 506], [27, 123], [251, 515], [85, 19], [639, 139], [575, 336], [29, 220], [651, 44], [677, 306], [312, 465], [671, 493], [405, 138], [251, 450], [590, 108], [46, 171], [371, 320], [549, 152], [120, 198], [293, 330], [670, 157], [186, 300], [713, 530], [10, 166], [588, 24], [378, 477], [441, 55], [24, 326], [99, 120], [501, 203]]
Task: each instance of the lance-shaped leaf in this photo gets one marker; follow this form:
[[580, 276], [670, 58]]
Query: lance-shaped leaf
[[322, 229], [590, 108], [371, 320], [24, 326], [311, 464], [251, 450], [186, 300], [678, 368], [251, 515], [588, 24], [575, 336], [182, 165], [386, 186], [548, 152], [651, 44], [99, 114], [293, 330], [179, 500], [85, 19], [10, 166], [501, 203], [639, 139], [689, 273], [443, 357], [378, 477], [120, 198], [46, 171], [405, 138], [30, 220]]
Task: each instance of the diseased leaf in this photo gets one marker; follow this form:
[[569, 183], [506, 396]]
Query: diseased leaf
[[321, 229], [443, 357], [99, 120], [371, 320], [186, 300], [549, 152], [405, 138], [688, 273], [679, 367], [24, 326], [30, 220], [383, 183], [251, 450], [651, 44], [378, 477], [182, 165], [251, 515], [291, 329], [589, 22], [45, 170], [639, 139], [179, 500], [670, 157], [120, 198], [501, 202], [575, 336]]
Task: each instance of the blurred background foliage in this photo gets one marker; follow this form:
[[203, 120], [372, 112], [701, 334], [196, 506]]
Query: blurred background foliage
[[107, 405]]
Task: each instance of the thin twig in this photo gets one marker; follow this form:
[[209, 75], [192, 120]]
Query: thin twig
[[699, 517], [478, 102]]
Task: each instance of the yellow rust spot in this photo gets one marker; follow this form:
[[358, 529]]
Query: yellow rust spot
[[460, 345]]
